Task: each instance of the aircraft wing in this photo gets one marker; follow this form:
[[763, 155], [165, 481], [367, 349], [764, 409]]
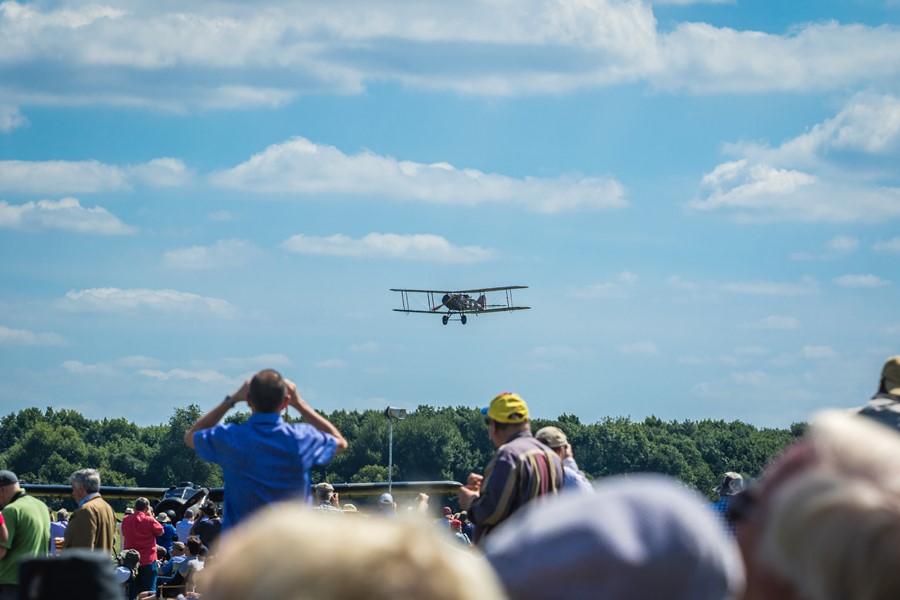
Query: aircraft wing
[[476, 291]]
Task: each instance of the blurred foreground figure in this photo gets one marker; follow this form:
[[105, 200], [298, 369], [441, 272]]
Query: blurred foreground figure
[[824, 521], [885, 404], [289, 552], [645, 537]]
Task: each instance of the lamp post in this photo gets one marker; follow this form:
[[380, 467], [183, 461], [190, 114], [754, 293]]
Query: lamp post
[[393, 414]]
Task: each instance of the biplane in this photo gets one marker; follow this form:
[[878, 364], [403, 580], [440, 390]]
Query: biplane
[[460, 302]]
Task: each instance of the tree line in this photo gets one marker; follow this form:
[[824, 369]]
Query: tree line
[[430, 444]]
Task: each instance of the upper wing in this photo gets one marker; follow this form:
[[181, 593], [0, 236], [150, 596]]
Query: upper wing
[[475, 291]]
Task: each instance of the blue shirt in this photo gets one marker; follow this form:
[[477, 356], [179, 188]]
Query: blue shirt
[[167, 538], [264, 460]]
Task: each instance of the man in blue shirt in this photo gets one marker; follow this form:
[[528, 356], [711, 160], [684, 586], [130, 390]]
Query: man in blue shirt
[[265, 459]]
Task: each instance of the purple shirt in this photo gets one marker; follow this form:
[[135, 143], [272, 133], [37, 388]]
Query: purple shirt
[[264, 460]]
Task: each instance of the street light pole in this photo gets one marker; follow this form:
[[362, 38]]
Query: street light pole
[[393, 414]]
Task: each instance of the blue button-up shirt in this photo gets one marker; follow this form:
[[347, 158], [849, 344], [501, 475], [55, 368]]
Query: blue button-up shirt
[[264, 460]]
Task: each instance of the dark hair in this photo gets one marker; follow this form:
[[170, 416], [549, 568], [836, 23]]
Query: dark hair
[[267, 391], [141, 504], [504, 426], [208, 508], [193, 545]]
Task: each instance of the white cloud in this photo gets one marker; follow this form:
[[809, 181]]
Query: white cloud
[[750, 378], [302, 167], [643, 348], [560, 352], [89, 176], [619, 288], [79, 368], [775, 323], [818, 175], [204, 376], [148, 55], [11, 118], [861, 281], [891, 245], [60, 177], [819, 352], [425, 247], [24, 337], [365, 347], [164, 301], [222, 254], [331, 363], [806, 286], [137, 362], [843, 244], [66, 215]]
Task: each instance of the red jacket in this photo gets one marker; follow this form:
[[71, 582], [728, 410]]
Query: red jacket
[[139, 532]]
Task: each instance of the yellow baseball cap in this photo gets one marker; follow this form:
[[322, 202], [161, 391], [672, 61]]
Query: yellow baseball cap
[[507, 408]]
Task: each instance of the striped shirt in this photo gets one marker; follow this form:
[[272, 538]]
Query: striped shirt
[[522, 469]]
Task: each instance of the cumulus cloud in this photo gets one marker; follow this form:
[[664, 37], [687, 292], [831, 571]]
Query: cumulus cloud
[[203, 376], [79, 368], [819, 352], [837, 247], [300, 166], [861, 281], [818, 175], [222, 254], [65, 215], [643, 348], [11, 118], [805, 286], [425, 247], [149, 55], [891, 245], [24, 337], [129, 300], [88, 176], [775, 323], [618, 288]]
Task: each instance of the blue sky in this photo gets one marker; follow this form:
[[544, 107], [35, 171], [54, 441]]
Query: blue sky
[[703, 198]]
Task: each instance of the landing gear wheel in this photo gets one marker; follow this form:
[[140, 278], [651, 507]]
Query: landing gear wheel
[[445, 318], [462, 319]]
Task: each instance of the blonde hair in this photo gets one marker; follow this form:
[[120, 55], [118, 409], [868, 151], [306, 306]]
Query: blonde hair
[[834, 527], [289, 552]]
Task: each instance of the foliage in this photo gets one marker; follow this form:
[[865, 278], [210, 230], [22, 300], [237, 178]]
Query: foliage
[[430, 444]]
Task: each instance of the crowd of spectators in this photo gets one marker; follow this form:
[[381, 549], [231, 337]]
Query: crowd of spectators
[[820, 523]]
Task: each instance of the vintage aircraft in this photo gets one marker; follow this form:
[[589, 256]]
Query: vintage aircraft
[[461, 302]]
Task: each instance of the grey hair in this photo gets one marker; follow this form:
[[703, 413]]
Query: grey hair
[[89, 478]]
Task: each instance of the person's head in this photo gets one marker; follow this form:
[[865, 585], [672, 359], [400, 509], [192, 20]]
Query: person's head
[[555, 439], [267, 392], [161, 552], [141, 505], [62, 515], [645, 536], [732, 484], [506, 415], [189, 514], [324, 492], [193, 546], [823, 521], [209, 509], [178, 549], [376, 559], [9, 485], [386, 503], [162, 518], [447, 512], [890, 377], [84, 483]]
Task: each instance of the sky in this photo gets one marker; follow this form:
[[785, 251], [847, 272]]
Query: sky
[[703, 199]]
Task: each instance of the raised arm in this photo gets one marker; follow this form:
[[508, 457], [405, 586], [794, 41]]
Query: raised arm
[[214, 415], [314, 418]]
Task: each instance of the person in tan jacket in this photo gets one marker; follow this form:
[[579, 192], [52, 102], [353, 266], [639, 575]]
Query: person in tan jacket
[[93, 525]]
